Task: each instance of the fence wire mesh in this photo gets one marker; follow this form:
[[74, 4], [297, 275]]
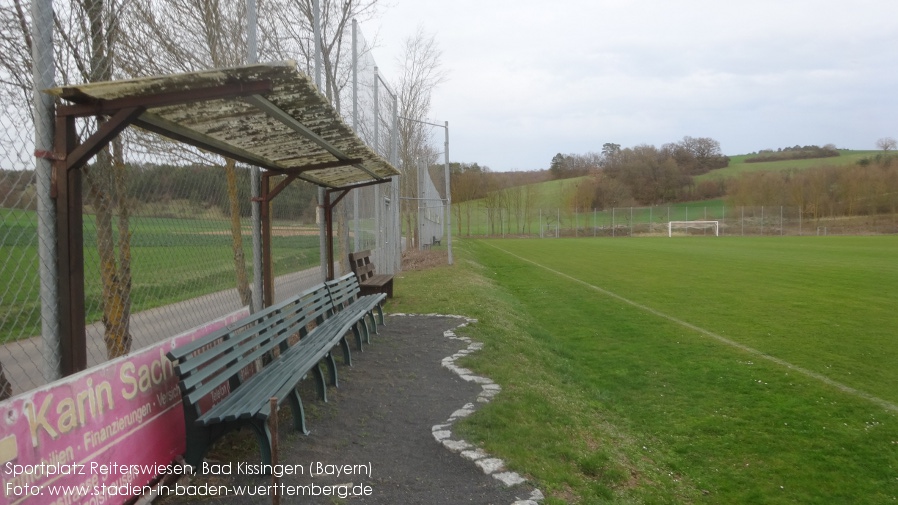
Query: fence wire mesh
[[475, 219], [167, 229]]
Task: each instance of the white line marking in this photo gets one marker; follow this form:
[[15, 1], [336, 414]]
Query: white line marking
[[804, 371]]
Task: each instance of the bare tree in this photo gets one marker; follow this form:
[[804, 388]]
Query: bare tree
[[336, 18], [168, 36], [887, 143], [421, 74]]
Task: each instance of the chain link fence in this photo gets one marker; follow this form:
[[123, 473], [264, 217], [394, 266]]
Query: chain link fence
[[168, 241], [480, 221]]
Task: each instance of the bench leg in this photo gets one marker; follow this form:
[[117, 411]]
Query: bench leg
[[332, 368], [198, 442], [319, 383], [359, 332], [380, 314], [364, 326], [344, 343], [263, 436], [299, 413], [373, 318]]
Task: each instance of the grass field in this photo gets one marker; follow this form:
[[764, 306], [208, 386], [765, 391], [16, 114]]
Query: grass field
[[718, 370], [172, 260]]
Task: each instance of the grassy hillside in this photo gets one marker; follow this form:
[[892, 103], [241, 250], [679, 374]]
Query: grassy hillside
[[739, 166]]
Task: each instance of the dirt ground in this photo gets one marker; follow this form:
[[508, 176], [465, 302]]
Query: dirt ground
[[381, 417]]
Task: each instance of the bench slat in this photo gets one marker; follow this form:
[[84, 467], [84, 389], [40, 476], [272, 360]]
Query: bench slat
[[334, 308], [266, 339]]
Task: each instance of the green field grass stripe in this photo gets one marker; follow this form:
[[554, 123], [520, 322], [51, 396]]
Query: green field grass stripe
[[804, 371]]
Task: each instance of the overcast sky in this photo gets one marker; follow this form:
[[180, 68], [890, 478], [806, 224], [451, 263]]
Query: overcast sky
[[528, 79]]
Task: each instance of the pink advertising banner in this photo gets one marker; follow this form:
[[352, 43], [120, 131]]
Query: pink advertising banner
[[100, 436]]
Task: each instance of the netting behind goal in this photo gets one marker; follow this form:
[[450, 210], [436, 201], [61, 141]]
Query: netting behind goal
[[693, 228]]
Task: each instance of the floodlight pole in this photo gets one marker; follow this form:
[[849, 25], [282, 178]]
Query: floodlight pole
[[448, 199]]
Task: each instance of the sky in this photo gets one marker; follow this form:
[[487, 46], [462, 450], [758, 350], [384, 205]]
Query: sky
[[527, 79]]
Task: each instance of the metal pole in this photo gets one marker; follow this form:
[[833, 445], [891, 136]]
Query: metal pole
[[378, 198], [316, 29], [395, 223], [355, 126], [255, 175], [448, 197], [420, 204], [251, 24], [322, 232], [44, 71]]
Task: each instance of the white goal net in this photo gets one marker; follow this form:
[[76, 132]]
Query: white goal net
[[691, 227]]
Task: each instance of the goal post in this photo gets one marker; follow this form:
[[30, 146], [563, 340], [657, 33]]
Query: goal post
[[693, 225]]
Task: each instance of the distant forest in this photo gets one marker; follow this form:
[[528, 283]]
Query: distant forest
[[152, 189], [794, 153]]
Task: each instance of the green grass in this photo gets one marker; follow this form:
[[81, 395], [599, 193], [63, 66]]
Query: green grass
[[605, 401], [738, 166], [172, 260]]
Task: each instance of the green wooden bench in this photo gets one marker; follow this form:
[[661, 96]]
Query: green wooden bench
[[369, 281], [347, 299], [228, 377]]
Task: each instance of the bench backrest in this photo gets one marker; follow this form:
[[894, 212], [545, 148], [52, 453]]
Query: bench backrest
[[213, 366], [361, 265], [343, 291]]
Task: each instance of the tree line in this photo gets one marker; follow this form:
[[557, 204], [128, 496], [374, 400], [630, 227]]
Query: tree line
[[794, 153], [865, 188], [648, 175]]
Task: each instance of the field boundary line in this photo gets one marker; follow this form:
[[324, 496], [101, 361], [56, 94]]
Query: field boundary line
[[720, 338]]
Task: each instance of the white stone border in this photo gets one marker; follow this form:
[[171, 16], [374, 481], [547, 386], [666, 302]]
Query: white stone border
[[442, 433]]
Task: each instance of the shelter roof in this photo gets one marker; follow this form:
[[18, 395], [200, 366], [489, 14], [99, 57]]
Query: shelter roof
[[268, 115]]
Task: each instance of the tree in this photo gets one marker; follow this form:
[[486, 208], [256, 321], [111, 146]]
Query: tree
[[558, 166], [420, 75], [887, 143]]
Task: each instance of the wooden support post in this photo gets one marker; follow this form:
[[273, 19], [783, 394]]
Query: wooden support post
[[329, 222], [265, 216], [329, 234], [70, 250]]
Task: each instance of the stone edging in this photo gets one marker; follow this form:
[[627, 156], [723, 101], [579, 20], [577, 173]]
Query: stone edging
[[442, 433]]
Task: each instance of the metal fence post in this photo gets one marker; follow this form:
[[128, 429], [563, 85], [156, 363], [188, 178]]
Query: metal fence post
[[44, 71], [255, 174], [448, 198]]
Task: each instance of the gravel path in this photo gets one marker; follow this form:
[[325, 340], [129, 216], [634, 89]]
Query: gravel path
[[391, 417]]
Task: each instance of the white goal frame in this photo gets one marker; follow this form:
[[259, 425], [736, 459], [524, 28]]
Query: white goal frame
[[693, 224]]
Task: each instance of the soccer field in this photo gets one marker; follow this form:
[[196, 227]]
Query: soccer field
[[824, 304], [716, 370]]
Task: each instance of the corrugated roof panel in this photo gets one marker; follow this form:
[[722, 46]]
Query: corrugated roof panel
[[242, 126]]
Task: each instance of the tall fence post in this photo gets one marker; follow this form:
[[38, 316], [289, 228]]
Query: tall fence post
[[613, 227], [255, 174], [355, 127], [44, 70], [448, 197]]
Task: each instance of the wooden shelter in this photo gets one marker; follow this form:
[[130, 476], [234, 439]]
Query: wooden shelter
[[268, 115]]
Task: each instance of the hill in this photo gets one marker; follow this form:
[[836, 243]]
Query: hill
[[738, 166]]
